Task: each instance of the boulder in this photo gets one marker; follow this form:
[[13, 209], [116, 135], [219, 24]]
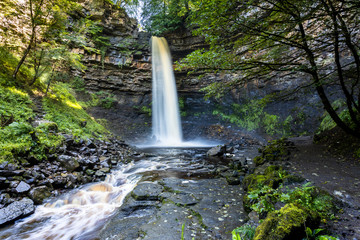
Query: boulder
[[147, 191], [68, 162], [286, 224], [217, 151], [38, 194], [16, 210], [22, 187]]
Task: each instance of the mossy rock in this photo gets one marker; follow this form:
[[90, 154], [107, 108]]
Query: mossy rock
[[50, 126], [277, 150], [272, 177], [259, 160], [286, 224], [321, 202]]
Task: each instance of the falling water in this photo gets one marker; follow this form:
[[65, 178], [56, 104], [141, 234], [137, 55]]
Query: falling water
[[166, 125]]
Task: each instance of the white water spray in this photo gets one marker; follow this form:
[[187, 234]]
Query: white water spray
[[166, 124]]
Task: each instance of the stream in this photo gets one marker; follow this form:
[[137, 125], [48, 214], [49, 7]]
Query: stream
[[153, 197]]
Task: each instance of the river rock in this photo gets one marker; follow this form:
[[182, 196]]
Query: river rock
[[68, 162], [22, 187], [147, 191], [89, 172], [16, 210], [217, 151], [38, 194], [100, 173]]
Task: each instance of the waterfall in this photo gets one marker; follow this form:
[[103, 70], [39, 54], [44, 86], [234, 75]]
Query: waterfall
[[166, 123]]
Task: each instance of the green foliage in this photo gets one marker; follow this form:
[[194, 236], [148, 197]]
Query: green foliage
[[101, 98], [15, 104], [86, 33], [328, 123], [15, 111], [8, 63], [208, 60], [247, 115], [78, 84], [183, 112], [144, 109], [17, 136], [62, 108], [289, 39], [313, 199], [216, 89], [264, 199], [315, 235], [304, 206], [147, 110], [160, 16], [182, 231], [251, 115], [106, 99], [245, 232]]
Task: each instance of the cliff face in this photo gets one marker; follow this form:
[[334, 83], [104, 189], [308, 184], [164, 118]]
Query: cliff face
[[125, 67], [125, 72]]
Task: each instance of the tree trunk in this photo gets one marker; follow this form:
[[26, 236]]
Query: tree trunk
[[319, 88], [37, 65], [50, 78], [27, 50]]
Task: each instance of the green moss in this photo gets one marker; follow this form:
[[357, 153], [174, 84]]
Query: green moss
[[254, 183], [276, 150], [62, 108], [315, 200], [287, 223], [272, 177]]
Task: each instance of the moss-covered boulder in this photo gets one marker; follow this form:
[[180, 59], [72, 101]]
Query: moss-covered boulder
[[277, 150], [272, 177], [286, 224]]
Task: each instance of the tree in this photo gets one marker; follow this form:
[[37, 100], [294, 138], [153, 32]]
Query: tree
[[269, 39], [159, 16], [47, 21], [36, 19]]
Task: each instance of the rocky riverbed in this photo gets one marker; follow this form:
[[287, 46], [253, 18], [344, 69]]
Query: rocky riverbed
[[173, 187], [75, 163], [150, 193]]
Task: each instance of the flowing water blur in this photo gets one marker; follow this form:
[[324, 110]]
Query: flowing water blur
[[80, 213], [166, 124]]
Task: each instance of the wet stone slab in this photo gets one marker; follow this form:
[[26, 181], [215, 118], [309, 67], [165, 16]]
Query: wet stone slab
[[147, 191], [209, 209]]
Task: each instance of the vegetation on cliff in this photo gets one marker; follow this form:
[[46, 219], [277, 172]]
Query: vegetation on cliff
[[37, 64]]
